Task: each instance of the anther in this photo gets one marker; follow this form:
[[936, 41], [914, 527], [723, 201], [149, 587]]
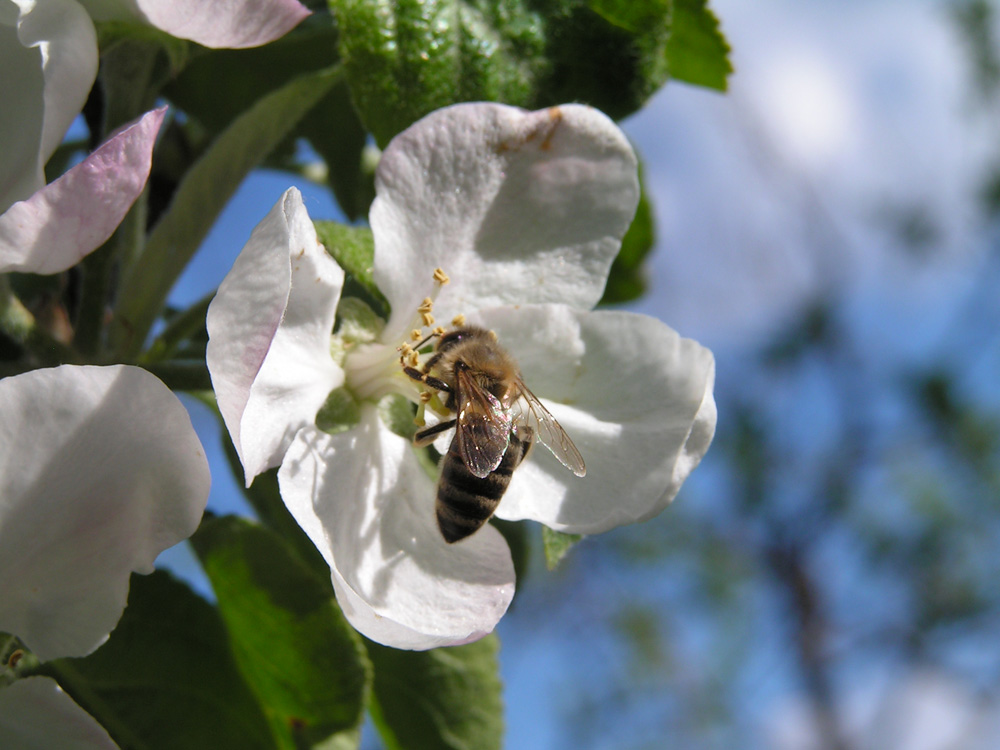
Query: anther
[[413, 359], [416, 334], [426, 396], [426, 306], [440, 276], [439, 331], [458, 321], [427, 318]]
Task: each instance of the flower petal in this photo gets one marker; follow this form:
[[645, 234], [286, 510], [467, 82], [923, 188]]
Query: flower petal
[[517, 207], [100, 471], [74, 215], [269, 332], [48, 55], [635, 398], [231, 24], [366, 503], [36, 714]]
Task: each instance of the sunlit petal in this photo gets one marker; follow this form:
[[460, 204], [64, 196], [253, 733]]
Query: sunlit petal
[[515, 206], [635, 398], [367, 504], [74, 215], [269, 335], [48, 55], [100, 471], [234, 23]]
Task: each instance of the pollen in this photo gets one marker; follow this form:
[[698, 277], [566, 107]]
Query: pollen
[[440, 276]]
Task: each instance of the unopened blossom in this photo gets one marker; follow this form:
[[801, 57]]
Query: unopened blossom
[[525, 213], [100, 471]]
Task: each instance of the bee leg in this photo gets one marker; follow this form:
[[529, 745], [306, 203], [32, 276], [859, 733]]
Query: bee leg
[[426, 379], [426, 436]]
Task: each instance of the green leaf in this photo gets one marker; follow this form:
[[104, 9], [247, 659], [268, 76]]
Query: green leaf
[[698, 53], [447, 698], [626, 280], [200, 197], [354, 250], [306, 665], [166, 678], [557, 545], [406, 58]]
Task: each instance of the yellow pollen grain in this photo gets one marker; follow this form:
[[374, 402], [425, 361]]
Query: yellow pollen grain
[[458, 320], [440, 276]]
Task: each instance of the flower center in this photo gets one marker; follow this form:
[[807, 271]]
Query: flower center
[[376, 370]]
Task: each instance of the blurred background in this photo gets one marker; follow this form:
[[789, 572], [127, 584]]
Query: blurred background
[[829, 578]]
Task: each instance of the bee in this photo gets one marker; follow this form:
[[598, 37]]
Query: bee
[[497, 419]]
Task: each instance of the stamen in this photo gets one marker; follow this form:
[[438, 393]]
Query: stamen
[[413, 359], [458, 321], [426, 306], [427, 318], [426, 396], [439, 331], [416, 334], [440, 276]]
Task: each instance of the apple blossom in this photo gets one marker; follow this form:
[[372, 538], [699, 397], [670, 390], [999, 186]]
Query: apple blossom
[[100, 471], [48, 51], [525, 212]]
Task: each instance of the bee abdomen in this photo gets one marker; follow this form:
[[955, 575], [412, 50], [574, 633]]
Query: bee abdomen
[[464, 501]]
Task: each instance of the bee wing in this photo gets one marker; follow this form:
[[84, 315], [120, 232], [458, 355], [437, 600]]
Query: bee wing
[[548, 431], [483, 426]]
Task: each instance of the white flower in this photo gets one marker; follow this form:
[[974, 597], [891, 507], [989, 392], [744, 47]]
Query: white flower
[[48, 55], [100, 471], [231, 24], [48, 52], [525, 212]]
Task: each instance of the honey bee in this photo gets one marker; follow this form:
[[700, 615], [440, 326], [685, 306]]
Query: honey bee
[[497, 421]]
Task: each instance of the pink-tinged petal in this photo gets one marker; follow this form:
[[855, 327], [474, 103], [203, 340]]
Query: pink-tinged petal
[[100, 471], [368, 506], [517, 207], [48, 55], [35, 714], [635, 398], [73, 216], [223, 23], [269, 332]]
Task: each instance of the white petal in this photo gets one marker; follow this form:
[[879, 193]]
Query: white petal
[[100, 471], [48, 55], [635, 398], [269, 332], [515, 206], [74, 215], [233, 23], [35, 714], [368, 506]]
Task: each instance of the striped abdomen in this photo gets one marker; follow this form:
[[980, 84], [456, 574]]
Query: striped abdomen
[[464, 501]]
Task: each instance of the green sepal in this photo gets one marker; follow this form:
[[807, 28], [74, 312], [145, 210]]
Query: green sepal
[[627, 279], [557, 545], [354, 250]]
